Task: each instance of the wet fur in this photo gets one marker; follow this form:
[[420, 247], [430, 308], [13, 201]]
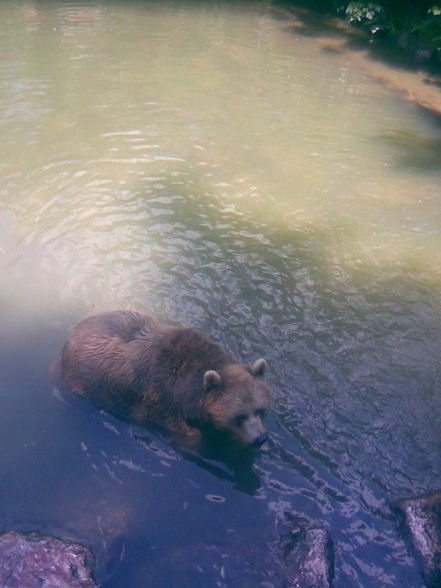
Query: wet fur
[[143, 370]]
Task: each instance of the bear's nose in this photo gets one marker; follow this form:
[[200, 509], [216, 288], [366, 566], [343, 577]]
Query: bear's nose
[[260, 440]]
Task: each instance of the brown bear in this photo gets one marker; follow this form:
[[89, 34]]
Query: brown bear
[[145, 371]]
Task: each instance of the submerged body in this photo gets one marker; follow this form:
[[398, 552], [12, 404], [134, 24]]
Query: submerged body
[[145, 371]]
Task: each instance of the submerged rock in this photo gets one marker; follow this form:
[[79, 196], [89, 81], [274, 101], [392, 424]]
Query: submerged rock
[[309, 558], [33, 560], [422, 521]]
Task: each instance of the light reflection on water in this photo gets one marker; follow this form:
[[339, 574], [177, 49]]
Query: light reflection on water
[[209, 164]]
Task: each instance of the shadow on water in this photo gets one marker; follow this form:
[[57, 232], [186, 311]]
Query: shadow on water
[[413, 151], [345, 434], [353, 428]]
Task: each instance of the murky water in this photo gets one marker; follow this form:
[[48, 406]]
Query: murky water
[[210, 163]]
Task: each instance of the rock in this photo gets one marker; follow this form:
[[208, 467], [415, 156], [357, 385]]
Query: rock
[[309, 558], [422, 522], [36, 561]]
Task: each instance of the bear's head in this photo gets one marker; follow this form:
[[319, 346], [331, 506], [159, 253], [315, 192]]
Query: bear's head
[[237, 401]]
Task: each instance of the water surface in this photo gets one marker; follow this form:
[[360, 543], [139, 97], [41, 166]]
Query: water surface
[[212, 164]]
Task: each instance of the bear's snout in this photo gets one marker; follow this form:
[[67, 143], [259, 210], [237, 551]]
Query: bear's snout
[[255, 432], [260, 440]]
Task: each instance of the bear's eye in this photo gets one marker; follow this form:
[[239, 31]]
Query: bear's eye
[[240, 419]]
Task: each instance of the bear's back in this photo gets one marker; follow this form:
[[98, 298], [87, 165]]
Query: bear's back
[[122, 324], [100, 358]]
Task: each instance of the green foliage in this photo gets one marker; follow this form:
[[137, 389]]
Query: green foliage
[[435, 10], [358, 12], [415, 25]]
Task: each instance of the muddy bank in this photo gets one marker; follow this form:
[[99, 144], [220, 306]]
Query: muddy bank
[[417, 87], [333, 35]]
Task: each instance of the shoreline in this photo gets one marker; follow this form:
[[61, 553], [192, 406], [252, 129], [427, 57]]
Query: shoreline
[[391, 68], [417, 87]]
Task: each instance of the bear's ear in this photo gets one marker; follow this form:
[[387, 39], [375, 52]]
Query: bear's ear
[[259, 368], [212, 380]]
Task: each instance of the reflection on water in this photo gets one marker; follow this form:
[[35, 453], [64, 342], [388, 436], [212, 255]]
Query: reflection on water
[[207, 162]]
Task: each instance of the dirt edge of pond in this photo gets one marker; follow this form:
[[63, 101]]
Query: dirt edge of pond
[[416, 87]]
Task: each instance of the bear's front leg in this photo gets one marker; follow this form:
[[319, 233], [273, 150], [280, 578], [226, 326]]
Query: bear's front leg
[[187, 435]]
